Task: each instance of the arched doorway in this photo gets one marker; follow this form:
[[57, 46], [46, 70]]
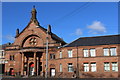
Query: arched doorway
[[11, 72], [31, 69]]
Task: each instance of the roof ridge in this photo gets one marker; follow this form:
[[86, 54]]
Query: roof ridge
[[101, 36], [97, 40]]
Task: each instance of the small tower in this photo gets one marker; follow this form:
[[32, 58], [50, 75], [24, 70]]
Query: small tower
[[17, 32], [49, 29]]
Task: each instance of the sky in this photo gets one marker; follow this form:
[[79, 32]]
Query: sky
[[69, 20]]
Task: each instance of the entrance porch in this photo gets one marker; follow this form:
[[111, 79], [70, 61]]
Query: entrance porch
[[31, 63]]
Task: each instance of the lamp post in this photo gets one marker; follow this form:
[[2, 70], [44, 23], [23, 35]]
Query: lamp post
[[46, 73], [77, 72]]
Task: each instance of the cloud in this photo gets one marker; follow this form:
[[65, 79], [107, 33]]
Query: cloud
[[96, 28], [78, 32], [9, 37]]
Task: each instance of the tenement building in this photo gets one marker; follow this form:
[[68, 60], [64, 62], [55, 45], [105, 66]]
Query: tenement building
[[84, 58], [3, 61]]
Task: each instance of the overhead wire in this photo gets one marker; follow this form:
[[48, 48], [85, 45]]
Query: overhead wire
[[74, 12]]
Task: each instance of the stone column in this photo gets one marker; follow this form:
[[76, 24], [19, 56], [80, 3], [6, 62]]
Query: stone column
[[22, 65], [27, 66], [35, 63]]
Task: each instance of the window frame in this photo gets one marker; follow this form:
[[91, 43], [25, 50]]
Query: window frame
[[91, 54], [60, 67], [111, 52], [115, 66], [70, 55], [86, 54], [70, 67], [52, 56], [107, 67], [12, 57], [93, 67], [60, 53], [104, 50], [86, 67]]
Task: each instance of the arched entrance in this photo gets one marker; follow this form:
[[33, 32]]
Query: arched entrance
[[11, 72], [31, 69]]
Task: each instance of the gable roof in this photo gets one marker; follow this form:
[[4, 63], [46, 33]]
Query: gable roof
[[54, 36], [34, 19], [98, 40]]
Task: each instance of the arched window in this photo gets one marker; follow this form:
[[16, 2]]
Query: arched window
[[33, 41]]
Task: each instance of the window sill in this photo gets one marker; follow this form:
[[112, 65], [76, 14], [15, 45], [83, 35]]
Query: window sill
[[11, 60], [107, 71], [51, 59], [93, 71], [114, 71], [70, 72], [86, 72]]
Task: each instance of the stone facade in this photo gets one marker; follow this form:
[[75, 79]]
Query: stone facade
[[27, 55]]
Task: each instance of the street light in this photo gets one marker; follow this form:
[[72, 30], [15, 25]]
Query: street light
[[77, 73], [46, 73]]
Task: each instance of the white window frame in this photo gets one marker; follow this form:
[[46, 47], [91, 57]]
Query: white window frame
[[86, 67], [70, 67], [106, 51], [93, 67], [60, 67], [70, 53], [106, 66], [114, 66], [60, 54], [86, 52], [92, 52], [113, 52]]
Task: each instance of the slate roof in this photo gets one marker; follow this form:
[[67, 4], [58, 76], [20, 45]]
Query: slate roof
[[98, 40]]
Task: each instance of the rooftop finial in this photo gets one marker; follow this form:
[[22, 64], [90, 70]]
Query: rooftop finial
[[33, 16], [33, 13]]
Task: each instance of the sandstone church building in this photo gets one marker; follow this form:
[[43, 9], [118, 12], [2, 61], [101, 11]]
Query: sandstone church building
[[85, 57]]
